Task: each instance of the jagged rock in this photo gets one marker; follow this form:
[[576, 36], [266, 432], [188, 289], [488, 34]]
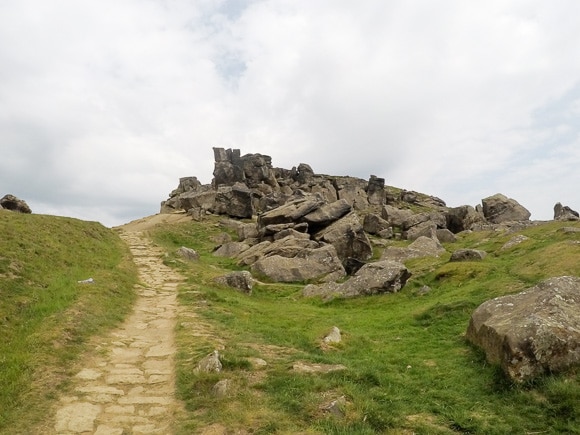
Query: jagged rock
[[348, 237], [290, 212], [234, 201], [531, 333], [424, 229], [210, 363], [231, 249], [395, 216], [227, 169], [353, 190], [185, 184], [307, 264], [291, 232], [374, 224], [10, 202], [304, 174], [202, 199], [373, 278], [498, 208], [327, 214], [422, 247], [463, 218], [253, 254], [188, 254], [468, 255], [565, 213], [240, 280], [376, 190]]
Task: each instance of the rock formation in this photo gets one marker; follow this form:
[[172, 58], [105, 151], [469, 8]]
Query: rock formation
[[10, 202], [531, 333], [565, 213]]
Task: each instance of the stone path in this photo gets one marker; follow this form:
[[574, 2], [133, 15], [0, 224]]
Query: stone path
[[130, 388]]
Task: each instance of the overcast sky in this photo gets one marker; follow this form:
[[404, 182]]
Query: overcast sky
[[105, 104]]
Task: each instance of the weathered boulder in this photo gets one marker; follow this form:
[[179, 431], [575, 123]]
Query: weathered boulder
[[395, 216], [514, 241], [240, 280], [531, 333], [373, 278], [499, 208], [468, 255], [291, 211], [247, 231], [307, 264], [565, 213], [424, 229], [353, 190], [234, 201], [10, 202], [327, 214], [202, 199], [376, 190], [374, 224], [463, 218], [348, 237]]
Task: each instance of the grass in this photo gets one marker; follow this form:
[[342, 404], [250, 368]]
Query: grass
[[46, 316], [409, 368]]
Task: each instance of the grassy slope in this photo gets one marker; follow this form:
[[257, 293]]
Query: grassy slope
[[409, 367], [46, 317]]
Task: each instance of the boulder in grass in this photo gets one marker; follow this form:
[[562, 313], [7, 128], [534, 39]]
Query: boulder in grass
[[532, 333]]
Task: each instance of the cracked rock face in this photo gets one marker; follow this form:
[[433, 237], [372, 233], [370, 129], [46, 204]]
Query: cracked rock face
[[531, 333]]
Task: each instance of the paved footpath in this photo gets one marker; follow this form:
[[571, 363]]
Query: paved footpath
[[130, 388]]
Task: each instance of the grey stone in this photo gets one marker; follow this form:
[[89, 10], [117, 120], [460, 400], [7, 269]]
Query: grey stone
[[498, 208], [468, 255], [532, 333]]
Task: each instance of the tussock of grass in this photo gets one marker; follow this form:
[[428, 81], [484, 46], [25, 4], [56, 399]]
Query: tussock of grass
[[409, 368], [45, 315]]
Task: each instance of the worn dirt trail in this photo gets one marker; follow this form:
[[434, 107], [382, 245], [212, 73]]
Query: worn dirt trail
[[129, 389]]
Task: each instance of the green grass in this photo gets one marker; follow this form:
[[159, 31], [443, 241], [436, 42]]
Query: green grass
[[409, 368], [46, 317]]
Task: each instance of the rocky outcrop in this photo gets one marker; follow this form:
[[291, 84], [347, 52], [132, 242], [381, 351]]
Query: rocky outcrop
[[499, 208], [373, 278], [531, 333], [565, 213], [463, 218], [421, 247], [10, 202], [348, 237]]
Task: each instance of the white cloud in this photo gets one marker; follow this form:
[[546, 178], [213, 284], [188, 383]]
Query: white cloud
[[111, 102]]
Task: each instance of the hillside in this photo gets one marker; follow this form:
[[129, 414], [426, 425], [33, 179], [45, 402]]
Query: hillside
[[407, 366], [46, 316]]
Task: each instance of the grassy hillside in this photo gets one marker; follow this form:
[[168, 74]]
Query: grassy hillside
[[408, 366], [46, 316]]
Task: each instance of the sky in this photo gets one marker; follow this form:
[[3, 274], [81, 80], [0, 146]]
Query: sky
[[105, 104]]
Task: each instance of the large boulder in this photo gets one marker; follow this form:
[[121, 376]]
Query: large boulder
[[308, 264], [240, 280], [463, 218], [291, 211], [395, 216], [376, 190], [374, 224], [234, 201], [565, 213], [327, 214], [372, 278], [10, 202], [499, 208], [348, 237], [531, 333]]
